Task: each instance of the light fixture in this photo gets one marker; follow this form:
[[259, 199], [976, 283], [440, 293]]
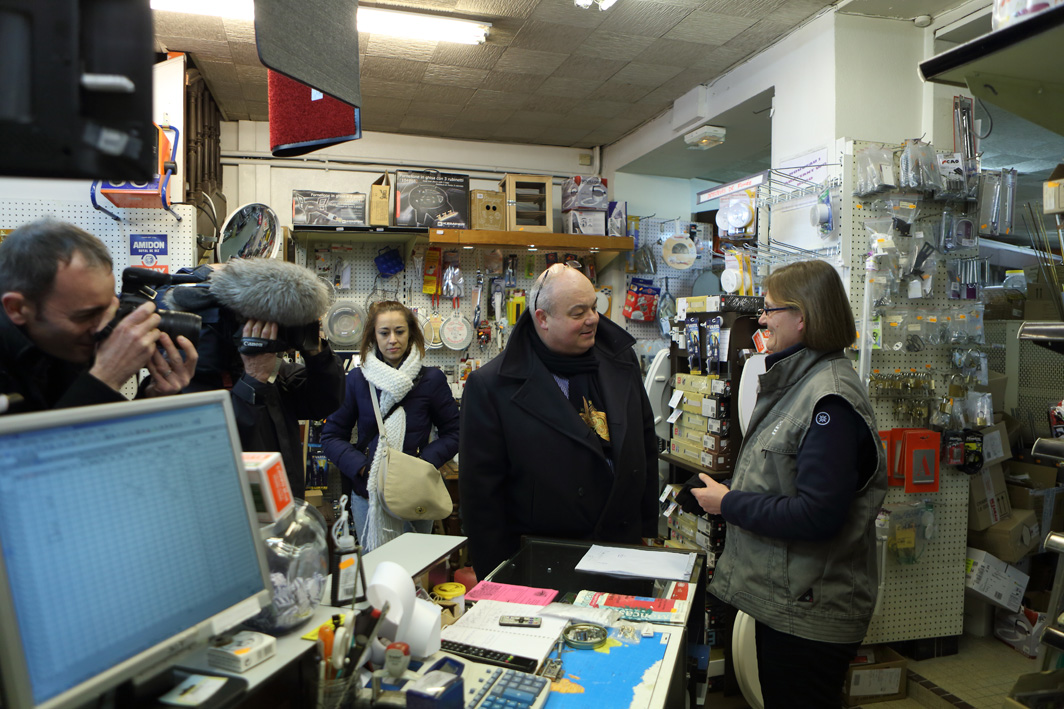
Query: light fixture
[[602, 4], [704, 138], [394, 23]]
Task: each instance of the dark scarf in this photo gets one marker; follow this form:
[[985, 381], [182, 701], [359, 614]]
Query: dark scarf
[[582, 373]]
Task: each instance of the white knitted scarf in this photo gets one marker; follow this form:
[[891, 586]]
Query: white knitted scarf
[[394, 384]]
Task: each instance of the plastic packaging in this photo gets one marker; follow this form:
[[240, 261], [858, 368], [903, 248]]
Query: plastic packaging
[[875, 170], [298, 557], [1015, 279], [343, 560]]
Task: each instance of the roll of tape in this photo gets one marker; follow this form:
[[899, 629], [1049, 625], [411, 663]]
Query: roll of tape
[[819, 214], [731, 280]]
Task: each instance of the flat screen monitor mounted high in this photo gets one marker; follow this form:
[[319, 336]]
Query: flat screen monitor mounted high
[[127, 537]]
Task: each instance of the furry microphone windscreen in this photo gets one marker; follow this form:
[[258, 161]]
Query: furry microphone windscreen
[[267, 289]]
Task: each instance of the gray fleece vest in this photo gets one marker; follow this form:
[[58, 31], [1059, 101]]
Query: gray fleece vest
[[822, 590]]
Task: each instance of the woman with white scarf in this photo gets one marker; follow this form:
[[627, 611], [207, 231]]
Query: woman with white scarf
[[413, 399]]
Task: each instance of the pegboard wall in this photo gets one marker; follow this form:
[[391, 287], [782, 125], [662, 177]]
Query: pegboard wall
[[1035, 372], [180, 236], [924, 599]]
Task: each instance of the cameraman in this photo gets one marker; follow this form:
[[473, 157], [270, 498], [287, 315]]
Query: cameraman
[[58, 290]]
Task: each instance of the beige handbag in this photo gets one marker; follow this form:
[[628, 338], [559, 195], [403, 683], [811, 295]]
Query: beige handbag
[[409, 488]]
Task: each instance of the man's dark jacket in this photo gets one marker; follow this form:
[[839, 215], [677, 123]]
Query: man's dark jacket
[[43, 381], [528, 464]]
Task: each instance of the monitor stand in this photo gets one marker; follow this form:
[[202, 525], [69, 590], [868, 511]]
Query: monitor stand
[[144, 695]]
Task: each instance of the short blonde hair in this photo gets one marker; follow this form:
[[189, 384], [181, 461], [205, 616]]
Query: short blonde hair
[[369, 332], [815, 289]]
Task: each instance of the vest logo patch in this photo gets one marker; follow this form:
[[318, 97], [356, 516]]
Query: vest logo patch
[[806, 597], [823, 419]]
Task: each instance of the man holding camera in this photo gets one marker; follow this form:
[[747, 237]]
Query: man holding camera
[[58, 291]]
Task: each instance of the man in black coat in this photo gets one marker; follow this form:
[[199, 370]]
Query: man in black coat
[[557, 433]]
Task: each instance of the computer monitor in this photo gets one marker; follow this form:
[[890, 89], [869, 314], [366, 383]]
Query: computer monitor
[[127, 537]]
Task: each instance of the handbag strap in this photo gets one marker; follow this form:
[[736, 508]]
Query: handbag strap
[[377, 412]]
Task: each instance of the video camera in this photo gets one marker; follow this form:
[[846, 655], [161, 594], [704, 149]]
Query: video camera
[[142, 285]]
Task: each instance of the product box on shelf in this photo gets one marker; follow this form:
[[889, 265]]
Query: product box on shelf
[[747, 304], [380, 201], [311, 208], [878, 675], [1034, 487], [585, 193], [1053, 192], [996, 447], [716, 407], [694, 420], [1021, 629], [988, 498], [1011, 539], [487, 210], [583, 221], [617, 219], [990, 578], [716, 460], [429, 198]]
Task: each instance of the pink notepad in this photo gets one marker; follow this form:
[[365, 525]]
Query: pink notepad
[[490, 591]]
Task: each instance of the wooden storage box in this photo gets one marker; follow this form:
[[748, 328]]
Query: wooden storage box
[[529, 202]]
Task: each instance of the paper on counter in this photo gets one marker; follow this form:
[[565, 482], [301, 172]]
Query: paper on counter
[[643, 563], [491, 591], [480, 627]]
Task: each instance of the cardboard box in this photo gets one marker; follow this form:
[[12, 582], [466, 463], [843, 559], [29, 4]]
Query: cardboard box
[[978, 617], [996, 448], [988, 498], [617, 219], [1053, 192], [312, 208], [694, 420], [583, 221], [720, 462], [881, 680], [379, 201], [1034, 487], [716, 407], [269, 485], [585, 193], [991, 579], [431, 199], [487, 210], [1035, 685], [1011, 539], [996, 382], [1021, 629], [697, 383]]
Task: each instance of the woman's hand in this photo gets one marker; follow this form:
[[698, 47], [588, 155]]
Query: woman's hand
[[710, 496]]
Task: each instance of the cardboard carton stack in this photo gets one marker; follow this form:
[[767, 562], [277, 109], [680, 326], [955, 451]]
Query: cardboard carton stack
[[585, 203]]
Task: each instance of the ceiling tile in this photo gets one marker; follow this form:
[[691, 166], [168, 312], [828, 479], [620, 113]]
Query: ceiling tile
[[381, 122], [216, 73], [488, 9], [663, 96], [258, 111], [574, 121], [239, 30], [484, 115], [591, 68], [210, 49], [512, 83], [181, 24], [529, 61], [435, 93], [744, 8], [614, 90], [577, 88], [673, 52], [721, 58], [436, 5], [244, 53], [255, 92], [432, 108], [599, 108], [561, 135], [566, 12], [549, 36], [472, 130], [534, 121], [251, 73], [398, 48], [378, 104], [510, 133], [445, 75], [392, 69], [646, 74], [644, 18], [645, 109], [476, 56], [485, 98], [425, 125], [709, 27], [550, 104], [613, 45], [391, 89], [796, 11]]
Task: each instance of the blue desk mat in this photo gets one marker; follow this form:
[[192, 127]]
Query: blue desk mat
[[615, 675]]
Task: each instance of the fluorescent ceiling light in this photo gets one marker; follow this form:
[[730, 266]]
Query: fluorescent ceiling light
[[394, 23]]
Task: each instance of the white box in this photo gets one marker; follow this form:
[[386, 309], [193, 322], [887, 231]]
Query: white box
[[269, 485], [242, 652], [990, 578], [582, 221]]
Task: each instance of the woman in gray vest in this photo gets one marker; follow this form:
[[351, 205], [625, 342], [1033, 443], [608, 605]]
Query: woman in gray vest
[[799, 553]]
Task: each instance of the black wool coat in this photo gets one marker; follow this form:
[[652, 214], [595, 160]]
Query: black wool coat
[[529, 465]]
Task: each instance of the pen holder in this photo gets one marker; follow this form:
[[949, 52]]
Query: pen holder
[[336, 694]]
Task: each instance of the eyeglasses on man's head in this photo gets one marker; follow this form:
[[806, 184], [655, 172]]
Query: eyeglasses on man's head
[[569, 263]]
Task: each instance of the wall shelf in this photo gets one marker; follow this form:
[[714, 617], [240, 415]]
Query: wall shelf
[[541, 241], [1016, 68]]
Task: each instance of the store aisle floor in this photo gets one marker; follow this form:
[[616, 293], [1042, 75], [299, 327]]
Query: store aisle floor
[[979, 676]]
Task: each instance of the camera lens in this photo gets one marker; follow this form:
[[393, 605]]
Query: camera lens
[[176, 323]]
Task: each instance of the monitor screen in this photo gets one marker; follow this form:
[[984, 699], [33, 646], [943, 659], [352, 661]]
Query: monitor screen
[[127, 537]]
